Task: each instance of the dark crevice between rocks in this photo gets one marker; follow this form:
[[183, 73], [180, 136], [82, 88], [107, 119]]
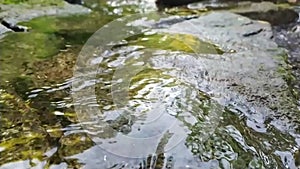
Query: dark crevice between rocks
[[253, 33], [15, 28], [172, 3], [77, 2]]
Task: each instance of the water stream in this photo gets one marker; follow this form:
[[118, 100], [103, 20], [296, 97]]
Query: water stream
[[142, 99]]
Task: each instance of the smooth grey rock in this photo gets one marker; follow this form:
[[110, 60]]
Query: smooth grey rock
[[247, 78], [3, 29], [20, 13]]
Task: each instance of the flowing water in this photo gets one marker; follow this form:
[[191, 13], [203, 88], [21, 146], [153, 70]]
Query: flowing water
[[144, 99]]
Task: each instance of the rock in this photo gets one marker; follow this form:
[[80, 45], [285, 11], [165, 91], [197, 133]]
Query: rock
[[3, 29], [246, 79], [15, 28], [257, 87], [212, 5], [21, 13], [268, 11], [173, 3]]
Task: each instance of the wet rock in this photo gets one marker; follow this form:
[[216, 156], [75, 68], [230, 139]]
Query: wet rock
[[288, 37], [3, 29], [15, 28], [20, 13], [256, 70], [268, 11], [212, 5], [245, 79]]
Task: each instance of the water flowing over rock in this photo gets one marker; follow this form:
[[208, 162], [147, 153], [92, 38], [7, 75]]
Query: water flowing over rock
[[245, 82], [203, 87]]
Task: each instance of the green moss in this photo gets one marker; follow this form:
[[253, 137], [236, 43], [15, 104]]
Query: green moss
[[22, 85], [47, 36], [33, 45], [42, 24], [186, 12], [286, 72], [18, 50], [29, 128], [174, 42]]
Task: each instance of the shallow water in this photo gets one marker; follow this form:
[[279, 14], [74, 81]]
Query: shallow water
[[144, 103]]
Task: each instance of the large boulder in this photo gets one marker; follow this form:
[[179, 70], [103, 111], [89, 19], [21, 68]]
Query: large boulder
[[255, 70]]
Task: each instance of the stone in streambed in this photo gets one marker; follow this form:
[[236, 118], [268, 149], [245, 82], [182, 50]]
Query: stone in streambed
[[268, 11]]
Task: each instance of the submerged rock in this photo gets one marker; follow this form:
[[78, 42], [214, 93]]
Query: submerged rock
[[252, 77], [255, 63]]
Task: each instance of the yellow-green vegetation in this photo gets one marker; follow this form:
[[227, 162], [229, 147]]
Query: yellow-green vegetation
[[185, 11], [22, 136], [74, 144], [175, 42], [21, 49], [285, 71], [236, 143], [29, 128], [33, 2], [27, 133], [46, 37]]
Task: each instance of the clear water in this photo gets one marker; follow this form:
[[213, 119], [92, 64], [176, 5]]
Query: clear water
[[145, 102]]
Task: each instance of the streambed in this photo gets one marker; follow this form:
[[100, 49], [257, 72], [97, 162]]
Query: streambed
[[208, 93]]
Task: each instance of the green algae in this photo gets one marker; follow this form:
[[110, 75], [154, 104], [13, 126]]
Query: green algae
[[29, 130], [237, 145], [22, 49], [285, 70], [174, 42], [22, 136], [47, 36], [42, 57]]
